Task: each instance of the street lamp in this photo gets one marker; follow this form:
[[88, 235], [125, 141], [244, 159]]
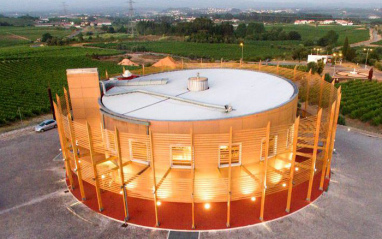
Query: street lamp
[[242, 50], [317, 50], [367, 54]]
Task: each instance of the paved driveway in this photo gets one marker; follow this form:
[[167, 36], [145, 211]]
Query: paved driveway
[[34, 204]]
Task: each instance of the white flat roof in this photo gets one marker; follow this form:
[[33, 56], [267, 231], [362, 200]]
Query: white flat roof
[[248, 92]]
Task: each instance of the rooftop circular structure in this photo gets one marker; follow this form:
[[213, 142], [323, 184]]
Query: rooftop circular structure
[[247, 92]]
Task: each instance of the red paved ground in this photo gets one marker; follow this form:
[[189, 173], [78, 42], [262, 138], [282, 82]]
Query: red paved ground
[[178, 215]]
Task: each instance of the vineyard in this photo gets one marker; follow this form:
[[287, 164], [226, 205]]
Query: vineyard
[[363, 101], [25, 77], [10, 36], [253, 51]]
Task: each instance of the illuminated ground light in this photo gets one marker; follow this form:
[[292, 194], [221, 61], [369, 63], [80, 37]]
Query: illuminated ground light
[[296, 169], [207, 206], [253, 199], [159, 203], [79, 161], [103, 176], [284, 184], [120, 192]]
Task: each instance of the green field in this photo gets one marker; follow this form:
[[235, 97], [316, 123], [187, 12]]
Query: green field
[[10, 36], [377, 43], [362, 100], [25, 76], [253, 51], [310, 32]]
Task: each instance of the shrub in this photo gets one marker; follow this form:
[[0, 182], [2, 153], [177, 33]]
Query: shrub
[[341, 120]]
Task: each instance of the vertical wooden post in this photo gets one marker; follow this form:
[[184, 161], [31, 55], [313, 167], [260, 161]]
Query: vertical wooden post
[[106, 75], [294, 72], [265, 168], [327, 145], [154, 179], [67, 101], [221, 63], [201, 62], [94, 165], [259, 65], [123, 70], [182, 63], [75, 150], [229, 178], [334, 130], [321, 90], [193, 177], [121, 175], [278, 68], [314, 156], [143, 69], [64, 147], [292, 167], [307, 90]]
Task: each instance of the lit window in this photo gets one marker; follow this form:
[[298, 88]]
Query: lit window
[[289, 140], [139, 152], [224, 155], [181, 156], [272, 151]]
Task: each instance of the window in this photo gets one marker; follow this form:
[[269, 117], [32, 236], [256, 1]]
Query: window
[[138, 152], [224, 155], [181, 157], [272, 151], [290, 133]]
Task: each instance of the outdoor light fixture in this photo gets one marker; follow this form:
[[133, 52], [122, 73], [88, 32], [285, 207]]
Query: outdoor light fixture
[[348, 129], [296, 169], [207, 206], [79, 161], [159, 203], [120, 192], [103, 176], [284, 185], [253, 199]]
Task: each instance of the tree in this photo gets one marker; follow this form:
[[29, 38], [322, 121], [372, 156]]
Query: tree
[[294, 35], [122, 29], [104, 28], [255, 28], [241, 30], [110, 30], [46, 36], [313, 66], [345, 47], [350, 54], [330, 38], [299, 53]]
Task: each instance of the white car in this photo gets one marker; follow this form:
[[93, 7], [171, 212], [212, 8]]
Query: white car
[[45, 125]]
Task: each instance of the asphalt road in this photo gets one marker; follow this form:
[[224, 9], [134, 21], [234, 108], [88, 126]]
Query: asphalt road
[[34, 204]]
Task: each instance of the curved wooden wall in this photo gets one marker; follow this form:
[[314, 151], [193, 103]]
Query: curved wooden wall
[[103, 152]]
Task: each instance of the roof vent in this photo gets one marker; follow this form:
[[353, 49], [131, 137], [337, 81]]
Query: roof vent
[[197, 83]]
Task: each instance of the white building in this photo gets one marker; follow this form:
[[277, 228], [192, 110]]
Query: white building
[[316, 58]]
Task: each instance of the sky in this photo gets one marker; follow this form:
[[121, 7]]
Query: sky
[[72, 5]]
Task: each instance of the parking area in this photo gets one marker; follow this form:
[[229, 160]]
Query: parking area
[[34, 202]]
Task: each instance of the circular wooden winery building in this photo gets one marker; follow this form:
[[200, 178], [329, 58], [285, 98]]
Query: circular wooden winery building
[[200, 146]]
